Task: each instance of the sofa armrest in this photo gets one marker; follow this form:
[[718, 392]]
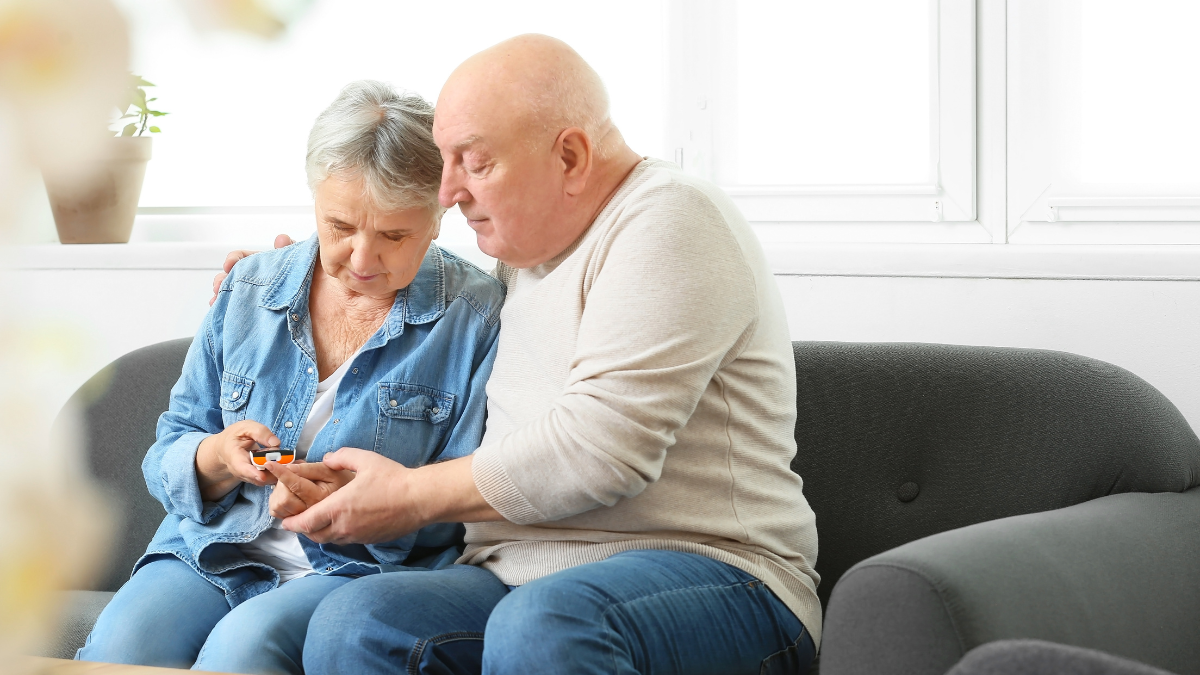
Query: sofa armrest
[[1120, 574]]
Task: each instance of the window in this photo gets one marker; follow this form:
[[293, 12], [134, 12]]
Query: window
[[1103, 138], [862, 110], [230, 161]]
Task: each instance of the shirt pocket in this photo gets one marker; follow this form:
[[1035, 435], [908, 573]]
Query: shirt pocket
[[413, 420], [235, 394]]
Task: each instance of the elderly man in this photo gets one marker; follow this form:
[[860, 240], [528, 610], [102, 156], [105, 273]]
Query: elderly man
[[631, 507]]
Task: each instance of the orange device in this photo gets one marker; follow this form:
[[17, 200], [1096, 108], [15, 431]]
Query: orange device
[[261, 456]]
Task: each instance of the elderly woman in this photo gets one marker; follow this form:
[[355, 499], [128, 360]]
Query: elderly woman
[[367, 335]]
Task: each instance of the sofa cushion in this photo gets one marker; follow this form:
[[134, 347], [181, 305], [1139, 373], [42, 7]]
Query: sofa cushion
[[120, 406]]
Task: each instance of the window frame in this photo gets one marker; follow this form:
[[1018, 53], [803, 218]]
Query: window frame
[[699, 73]]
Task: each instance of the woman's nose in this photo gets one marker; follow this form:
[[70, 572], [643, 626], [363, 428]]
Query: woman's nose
[[363, 257]]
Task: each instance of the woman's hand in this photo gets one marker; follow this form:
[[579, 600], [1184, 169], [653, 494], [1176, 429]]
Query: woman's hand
[[302, 485], [387, 500], [223, 460]]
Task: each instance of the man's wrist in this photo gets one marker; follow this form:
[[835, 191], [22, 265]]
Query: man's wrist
[[446, 493]]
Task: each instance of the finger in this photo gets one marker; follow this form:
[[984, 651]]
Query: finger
[[233, 257], [245, 469], [304, 489], [282, 241], [312, 521], [218, 280], [348, 459], [284, 504], [257, 432], [314, 471]]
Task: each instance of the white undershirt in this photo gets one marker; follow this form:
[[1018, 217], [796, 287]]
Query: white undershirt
[[276, 546]]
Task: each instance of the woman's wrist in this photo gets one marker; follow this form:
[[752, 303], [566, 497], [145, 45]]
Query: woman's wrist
[[212, 473]]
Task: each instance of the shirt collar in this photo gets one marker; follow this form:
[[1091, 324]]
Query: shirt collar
[[424, 299]]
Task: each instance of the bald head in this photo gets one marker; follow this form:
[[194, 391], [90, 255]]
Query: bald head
[[529, 153], [535, 84]]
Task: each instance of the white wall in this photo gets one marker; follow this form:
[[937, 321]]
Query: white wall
[[1138, 308]]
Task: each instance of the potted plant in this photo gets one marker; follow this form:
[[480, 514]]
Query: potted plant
[[97, 203]]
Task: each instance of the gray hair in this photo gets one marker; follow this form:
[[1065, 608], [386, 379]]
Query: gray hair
[[385, 137]]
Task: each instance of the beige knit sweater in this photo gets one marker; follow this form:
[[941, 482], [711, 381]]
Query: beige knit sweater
[[643, 396]]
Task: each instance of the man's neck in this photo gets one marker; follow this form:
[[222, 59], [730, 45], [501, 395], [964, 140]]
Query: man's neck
[[610, 174]]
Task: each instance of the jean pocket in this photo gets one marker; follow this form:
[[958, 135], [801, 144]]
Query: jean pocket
[[794, 660]]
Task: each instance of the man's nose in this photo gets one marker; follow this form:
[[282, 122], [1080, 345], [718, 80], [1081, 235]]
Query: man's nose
[[452, 190]]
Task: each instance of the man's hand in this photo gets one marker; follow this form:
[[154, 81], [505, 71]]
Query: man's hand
[[223, 460], [387, 500], [302, 485], [281, 241]]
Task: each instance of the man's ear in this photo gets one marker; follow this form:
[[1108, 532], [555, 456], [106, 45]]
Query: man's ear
[[575, 152]]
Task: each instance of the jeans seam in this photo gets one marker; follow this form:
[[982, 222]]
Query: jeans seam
[[414, 658], [604, 615], [795, 645]]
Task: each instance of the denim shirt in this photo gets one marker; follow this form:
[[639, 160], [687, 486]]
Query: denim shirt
[[414, 393]]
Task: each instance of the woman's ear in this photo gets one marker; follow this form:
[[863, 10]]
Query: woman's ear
[[575, 152]]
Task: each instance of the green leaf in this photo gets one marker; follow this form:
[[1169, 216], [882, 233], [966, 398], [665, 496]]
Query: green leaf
[[157, 113], [139, 82], [129, 129], [151, 99], [155, 130], [139, 98]]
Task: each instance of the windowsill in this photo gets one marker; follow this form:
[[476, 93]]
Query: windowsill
[[970, 261], [173, 255]]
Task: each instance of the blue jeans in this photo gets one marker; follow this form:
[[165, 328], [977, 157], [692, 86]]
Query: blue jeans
[[649, 612], [168, 615]]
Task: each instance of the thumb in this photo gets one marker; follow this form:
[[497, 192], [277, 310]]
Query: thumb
[[258, 433], [312, 520], [348, 459], [282, 241]]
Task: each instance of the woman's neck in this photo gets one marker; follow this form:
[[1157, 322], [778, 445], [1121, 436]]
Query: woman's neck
[[342, 320]]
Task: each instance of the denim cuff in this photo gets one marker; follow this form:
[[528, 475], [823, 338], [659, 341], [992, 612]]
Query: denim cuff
[[498, 489], [177, 471]]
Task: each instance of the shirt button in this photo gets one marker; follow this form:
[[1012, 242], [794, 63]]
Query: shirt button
[[329, 569], [295, 317], [393, 403], [235, 394], [310, 371], [287, 425], [336, 421], [355, 371], [436, 411]]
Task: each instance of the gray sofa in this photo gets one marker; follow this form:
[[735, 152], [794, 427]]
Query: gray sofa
[[964, 495]]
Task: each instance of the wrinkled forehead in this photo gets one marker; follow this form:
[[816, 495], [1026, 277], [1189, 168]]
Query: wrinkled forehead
[[473, 112]]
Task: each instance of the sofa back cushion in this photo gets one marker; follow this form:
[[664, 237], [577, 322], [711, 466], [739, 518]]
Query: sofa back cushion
[[120, 406], [901, 441]]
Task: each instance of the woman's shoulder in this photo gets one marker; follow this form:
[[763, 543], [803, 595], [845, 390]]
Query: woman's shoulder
[[266, 267], [464, 280]]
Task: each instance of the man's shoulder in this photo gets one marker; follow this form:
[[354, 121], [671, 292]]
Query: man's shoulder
[[478, 288], [665, 183]]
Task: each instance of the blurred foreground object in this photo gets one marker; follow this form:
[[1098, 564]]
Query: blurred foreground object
[[264, 18], [57, 527], [63, 67]]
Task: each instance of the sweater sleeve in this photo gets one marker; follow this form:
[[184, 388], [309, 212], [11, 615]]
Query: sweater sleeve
[[671, 301]]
